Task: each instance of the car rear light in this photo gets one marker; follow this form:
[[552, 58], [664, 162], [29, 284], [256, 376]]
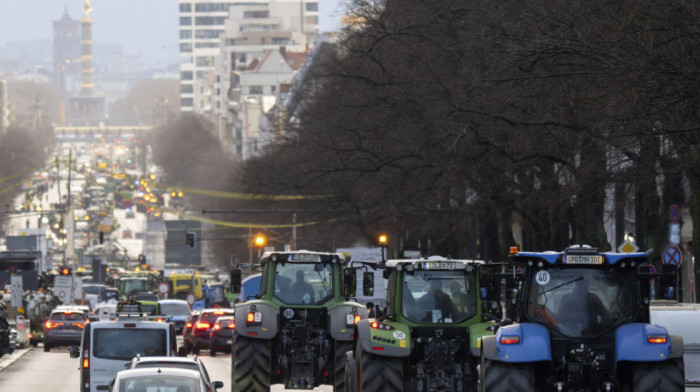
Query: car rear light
[[67, 312], [79, 325], [86, 363], [160, 320], [188, 325], [656, 339], [219, 313], [202, 326], [217, 326], [49, 324], [510, 339], [130, 325]]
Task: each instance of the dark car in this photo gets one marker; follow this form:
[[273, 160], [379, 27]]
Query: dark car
[[221, 335], [64, 328], [202, 328], [187, 330]]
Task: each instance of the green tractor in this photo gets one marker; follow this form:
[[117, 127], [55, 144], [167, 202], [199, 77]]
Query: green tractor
[[299, 328], [429, 337]]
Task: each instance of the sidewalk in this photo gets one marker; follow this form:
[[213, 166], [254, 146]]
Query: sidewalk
[[8, 359]]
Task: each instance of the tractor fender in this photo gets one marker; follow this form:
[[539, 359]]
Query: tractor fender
[[631, 343], [339, 328], [489, 349], [677, 346], [269, 323], [476, 333], [394, 342], [527, 342]]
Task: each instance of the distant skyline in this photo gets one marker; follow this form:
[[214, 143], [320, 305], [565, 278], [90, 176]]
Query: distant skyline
[[145, 27]]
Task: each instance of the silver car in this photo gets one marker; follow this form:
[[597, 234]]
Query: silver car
[[158, 379]]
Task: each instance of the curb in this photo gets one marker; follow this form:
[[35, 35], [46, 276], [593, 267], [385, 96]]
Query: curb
[[7, 360]]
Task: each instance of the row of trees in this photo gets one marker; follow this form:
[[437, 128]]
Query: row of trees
[[449, 123]]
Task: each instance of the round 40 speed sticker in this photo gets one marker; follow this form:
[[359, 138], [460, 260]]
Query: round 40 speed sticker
[[542, 277]]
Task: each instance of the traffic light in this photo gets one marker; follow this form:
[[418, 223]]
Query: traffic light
[[65, 271], [189, 239]]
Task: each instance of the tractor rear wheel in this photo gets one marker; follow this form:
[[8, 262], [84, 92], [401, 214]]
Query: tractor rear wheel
[[501, 376], [377, 374], [664, 376], [252, 362], [340, 348]]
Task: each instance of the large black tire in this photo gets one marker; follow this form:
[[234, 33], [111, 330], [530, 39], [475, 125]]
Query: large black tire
[[350, 375], [379, 374], [252, 362], [195, 349], [664, 376], [47, 348], [340, 348], [212, 352], [507, 377]]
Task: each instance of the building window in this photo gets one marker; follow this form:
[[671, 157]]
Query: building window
[[185, 21], [205, 61], [186, 102], [209, 20], [256, 14], [203, 34], [311, 20], [185, 7], [280, 41], [206, 45], [202, 74], [212, 7], [255, 90], [312, 7], [185, 47], [186, 75], [186, 89], [185, 34]]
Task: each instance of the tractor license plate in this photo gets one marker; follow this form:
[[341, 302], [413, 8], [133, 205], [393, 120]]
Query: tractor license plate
[[441, 265], [584, 259]]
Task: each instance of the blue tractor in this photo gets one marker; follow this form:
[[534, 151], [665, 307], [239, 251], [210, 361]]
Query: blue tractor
[[582, 325]]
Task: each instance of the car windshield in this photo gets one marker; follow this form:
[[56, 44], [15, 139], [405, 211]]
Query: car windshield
[[126, 343], [580, 301], [68, 316], [130, 285], [438, 296], [174, 309], [303, 283], [157, 383]]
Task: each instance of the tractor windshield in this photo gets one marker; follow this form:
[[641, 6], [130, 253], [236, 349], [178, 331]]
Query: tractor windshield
[[580, 301], [304, 283], [444, 297]]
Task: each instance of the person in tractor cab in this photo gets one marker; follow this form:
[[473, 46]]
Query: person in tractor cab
[[436, 305], [301, 289], [582, 310]]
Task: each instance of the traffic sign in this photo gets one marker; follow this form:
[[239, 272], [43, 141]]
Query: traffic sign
[[16, 291], [190, 299], [627, 247], [672, 255], [163, 288], [674, 213]]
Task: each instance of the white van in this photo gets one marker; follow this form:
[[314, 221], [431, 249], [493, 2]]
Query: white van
[[107, 345]]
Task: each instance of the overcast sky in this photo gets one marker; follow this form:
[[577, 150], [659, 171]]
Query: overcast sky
[[146, 27]]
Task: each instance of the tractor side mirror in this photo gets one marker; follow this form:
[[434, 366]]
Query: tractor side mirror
[[349, 282], [236, 280], [368, 284]]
